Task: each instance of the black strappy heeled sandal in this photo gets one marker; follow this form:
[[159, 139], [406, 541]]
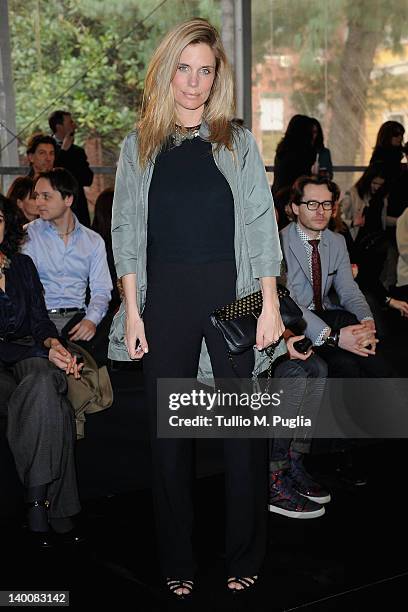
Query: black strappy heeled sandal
[[173, 584], [247, 582]]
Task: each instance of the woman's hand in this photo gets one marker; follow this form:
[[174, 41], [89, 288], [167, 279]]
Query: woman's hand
[[59, 356], [270, 327], [399, 305], [135, 338]]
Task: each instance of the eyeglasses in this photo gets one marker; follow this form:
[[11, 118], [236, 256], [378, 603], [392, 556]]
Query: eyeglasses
[[313, 205]]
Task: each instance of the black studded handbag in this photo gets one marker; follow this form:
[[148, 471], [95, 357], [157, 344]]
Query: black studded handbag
[[237, 321]]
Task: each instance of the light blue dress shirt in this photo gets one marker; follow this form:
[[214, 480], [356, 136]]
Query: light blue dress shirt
[[66, 269]]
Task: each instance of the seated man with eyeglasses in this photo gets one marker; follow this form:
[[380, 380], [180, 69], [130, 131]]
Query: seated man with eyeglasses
[[317, 265]]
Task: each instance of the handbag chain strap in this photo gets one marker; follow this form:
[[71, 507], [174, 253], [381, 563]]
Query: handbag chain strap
[[270, 351]]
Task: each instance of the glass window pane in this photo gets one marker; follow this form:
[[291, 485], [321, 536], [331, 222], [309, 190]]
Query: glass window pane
[[345, 63]]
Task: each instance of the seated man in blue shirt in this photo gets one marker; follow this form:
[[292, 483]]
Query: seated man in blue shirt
[[68, 257]]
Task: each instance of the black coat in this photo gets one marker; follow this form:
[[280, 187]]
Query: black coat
[[290, 165], [397, 177], [23, 312], [76, 161]]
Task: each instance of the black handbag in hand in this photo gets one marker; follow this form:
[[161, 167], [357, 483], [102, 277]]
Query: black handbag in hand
[[237, 321]]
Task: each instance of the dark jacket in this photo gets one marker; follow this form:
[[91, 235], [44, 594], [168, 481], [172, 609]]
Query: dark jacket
[[390, 158], [23, 314], [76, 161], [290, 165], [397, 177]]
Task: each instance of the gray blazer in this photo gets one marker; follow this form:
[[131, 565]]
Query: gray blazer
[[336, 274], [257, 248]]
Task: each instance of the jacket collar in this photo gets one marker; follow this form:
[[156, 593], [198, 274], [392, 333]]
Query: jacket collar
[[204, 130], [297, 247]]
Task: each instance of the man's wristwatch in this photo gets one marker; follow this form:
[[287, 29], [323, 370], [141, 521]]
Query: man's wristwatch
[[332, 339]]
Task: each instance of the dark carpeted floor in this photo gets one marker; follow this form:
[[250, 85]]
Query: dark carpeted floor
[[353, 558]]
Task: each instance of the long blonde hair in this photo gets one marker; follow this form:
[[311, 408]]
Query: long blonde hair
[[158, 116]]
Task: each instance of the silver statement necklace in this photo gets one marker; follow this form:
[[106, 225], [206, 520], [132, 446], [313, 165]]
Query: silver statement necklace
[[184, 133]]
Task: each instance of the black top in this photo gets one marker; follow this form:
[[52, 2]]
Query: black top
[[390, 158], [290, 165], [23, 312], [191, 208], [373, 217], [397, 178], [398, 194]]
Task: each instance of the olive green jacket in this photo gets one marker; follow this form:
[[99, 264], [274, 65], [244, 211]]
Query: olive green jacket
[[257, 248]]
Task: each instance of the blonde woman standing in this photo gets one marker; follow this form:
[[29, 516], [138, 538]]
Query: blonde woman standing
[[193, 228]]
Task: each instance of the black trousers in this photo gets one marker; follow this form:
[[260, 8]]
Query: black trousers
[[343, 364], [179, 300], [41, 431]]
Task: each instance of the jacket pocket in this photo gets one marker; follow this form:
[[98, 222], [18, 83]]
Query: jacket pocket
[[117, 330]]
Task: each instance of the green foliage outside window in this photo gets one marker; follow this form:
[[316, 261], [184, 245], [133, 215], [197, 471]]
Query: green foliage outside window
[[92, 53]]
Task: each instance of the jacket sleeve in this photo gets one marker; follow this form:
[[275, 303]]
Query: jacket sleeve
[[350, 296], [124, 243], [259, 214], [314, 325], [100, 284], [41, 325]]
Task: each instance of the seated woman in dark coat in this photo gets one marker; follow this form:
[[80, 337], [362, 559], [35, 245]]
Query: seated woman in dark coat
[[33, 369]]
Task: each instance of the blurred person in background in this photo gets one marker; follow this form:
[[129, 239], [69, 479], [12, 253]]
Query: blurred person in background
[[73, 158], [41, 152], [388, 147], [295, 156], [21, 193], [390, 152], [364, 211]]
